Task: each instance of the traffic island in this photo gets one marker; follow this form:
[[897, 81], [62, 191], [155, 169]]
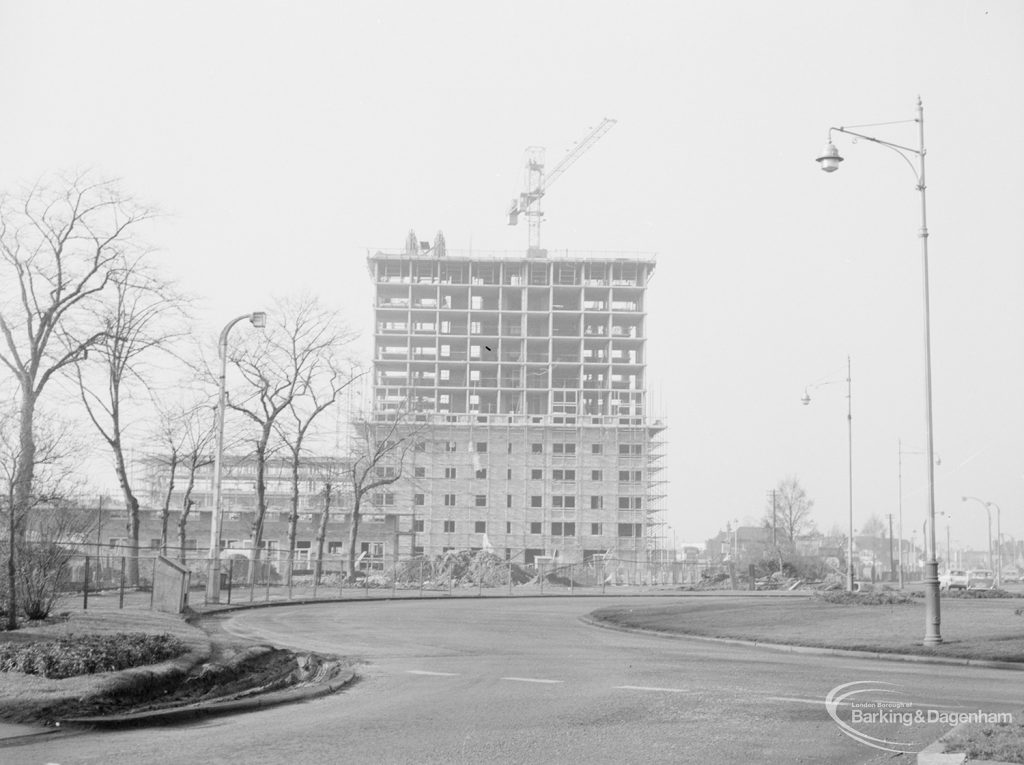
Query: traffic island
[[974, 631], [215, 674]]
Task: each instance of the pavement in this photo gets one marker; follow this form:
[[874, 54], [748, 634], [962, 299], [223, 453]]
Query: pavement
[[295, 632]]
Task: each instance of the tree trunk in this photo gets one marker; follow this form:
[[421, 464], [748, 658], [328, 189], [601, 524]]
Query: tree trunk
[[261, 504], [25, 469], [132, 506], [186, 506], [12, 597], [353, 537], [293, 518], [165, 511], [321, 532]]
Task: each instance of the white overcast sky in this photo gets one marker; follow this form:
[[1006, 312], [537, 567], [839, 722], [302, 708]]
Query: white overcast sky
[[284, 140]]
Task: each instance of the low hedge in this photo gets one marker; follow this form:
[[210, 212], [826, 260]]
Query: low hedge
[[88, 654], [876, 598]]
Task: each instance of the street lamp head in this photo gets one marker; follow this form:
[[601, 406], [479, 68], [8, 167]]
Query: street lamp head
[[258, 319], [829, 159], [805, 399]]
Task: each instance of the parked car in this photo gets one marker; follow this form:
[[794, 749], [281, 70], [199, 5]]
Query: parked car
[[980, 579], [1011, 576], [954, 579]]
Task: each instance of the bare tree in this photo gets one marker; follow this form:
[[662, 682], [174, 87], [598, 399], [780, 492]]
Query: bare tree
[[324, 381], [379, 454], [792, 509], [330, 474], [53, 479], [60, 245], [199, 430], [276, 368], [176, 433], [138, 322]]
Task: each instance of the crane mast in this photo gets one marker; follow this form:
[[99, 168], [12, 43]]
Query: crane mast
[[537, 183]]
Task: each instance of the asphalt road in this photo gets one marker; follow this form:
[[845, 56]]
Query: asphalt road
[[524, 681]]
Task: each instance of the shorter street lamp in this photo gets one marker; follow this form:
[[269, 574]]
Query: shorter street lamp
[[805, 400], [257, 319], [987, 506]]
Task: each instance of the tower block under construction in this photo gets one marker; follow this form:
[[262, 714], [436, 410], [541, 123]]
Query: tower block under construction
[[525, 377]]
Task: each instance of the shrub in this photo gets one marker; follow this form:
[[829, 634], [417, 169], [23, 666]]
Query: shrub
[[877, 598], [979, 594], [42, 570], [87, 654]]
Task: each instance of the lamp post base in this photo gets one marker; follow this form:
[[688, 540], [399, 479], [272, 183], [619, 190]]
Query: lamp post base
[[213, 582], [932, 633]]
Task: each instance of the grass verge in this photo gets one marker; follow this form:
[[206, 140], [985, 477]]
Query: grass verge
[[983, 629], [1002, 742]]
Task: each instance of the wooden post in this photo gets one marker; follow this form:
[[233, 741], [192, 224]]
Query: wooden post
[[152, 586], [231, 576], [291, 575], [394, 577], [316, 578], [267, 598], [571, 583], [510, 578], [421, 579], [120, 599], [85, 586]]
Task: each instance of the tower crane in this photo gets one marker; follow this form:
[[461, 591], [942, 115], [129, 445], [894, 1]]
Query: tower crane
[[537, 183]]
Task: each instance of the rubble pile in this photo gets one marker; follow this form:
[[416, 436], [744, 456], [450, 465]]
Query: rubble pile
[[461, 568]]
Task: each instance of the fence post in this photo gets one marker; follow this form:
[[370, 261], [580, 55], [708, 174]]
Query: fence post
[[604, 576], [120, 599], [251, 576], [231, 577], [510, 578], [421, 578], [479, 583], [266, 598], [450, 577], [291, 576], [366, 583], [571, 583], [152, 586], [341, 577], [85, 586], [316, 577]]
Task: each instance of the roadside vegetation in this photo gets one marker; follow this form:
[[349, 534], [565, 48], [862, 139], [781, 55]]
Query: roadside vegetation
[[73, 655], [876, 598], [1003, 742]]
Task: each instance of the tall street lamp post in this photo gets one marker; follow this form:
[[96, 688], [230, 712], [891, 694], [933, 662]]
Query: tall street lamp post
[[849, 451], [829, 161], [899, 482], [257, 319]]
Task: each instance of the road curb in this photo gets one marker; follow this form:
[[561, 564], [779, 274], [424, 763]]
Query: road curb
[[215, 609], [813, 650], [215, 706]]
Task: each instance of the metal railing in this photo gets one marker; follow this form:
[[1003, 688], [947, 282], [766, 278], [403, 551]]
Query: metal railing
[[101, 572]]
